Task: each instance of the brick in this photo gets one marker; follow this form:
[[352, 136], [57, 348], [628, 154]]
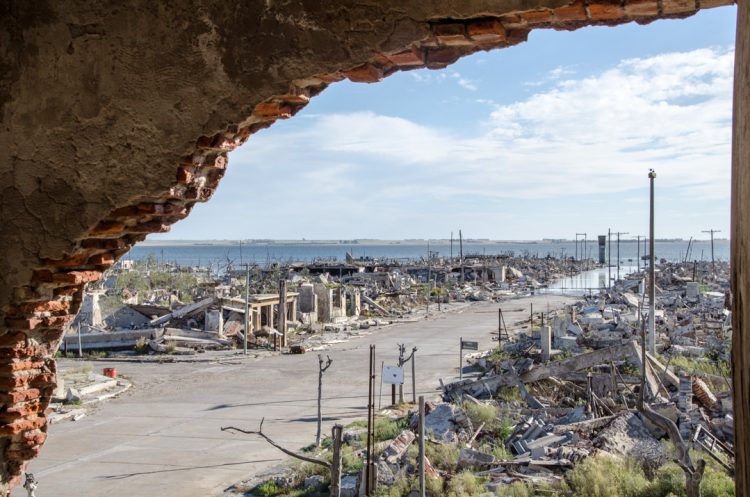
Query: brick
[[366, 73], [641, 8], [22, 323], [22, 455], [57, 321], [42, 276], [573, 12], [411, 57], [23, 352], [43, 380], [150, 227], [108, 228], [272, 110], [517, 35], [451, 34], [67, 291], [77, 277], [709, 4], [184, 176], [330, 78], [605, 11], [297, 96], [486, 31], [71, 261], [34, 438], [678, 6], [438, 58], [13, 339], [102, 260], [540, 16], [43, 306], [12, 382], [16, 396]]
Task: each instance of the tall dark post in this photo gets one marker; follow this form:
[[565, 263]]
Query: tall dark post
[[247, 308], [461, 253], [713, 262], [422, 457], [609, 258], [282, 310], [336, 435], [370, 422], [651, 272]]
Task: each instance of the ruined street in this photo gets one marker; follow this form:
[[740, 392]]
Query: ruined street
[[163, 437]]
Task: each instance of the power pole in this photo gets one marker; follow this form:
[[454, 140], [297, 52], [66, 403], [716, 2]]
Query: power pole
[[638, 249], [584, 244], [609, 257], [651, 272], [461, 253], [451, 247], [713, 264], [429, 277], [247, 308], [618, 252], [576, 256]]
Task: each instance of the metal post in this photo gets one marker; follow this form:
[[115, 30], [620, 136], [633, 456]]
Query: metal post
[[80, 347], [609, 258], [429, 278], [413, 377], [651, 273], [370, 422], [713, 264], [461, 358], [461, 253], [247, 308], [282, 310], [421, 447], [336, 436]]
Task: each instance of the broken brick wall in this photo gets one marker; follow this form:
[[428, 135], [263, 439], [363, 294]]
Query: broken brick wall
[[118, 117]]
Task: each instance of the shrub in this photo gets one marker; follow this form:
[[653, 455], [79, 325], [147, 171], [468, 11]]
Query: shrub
[[442, 456], [465, 484], [481, 413], [388, 429], [516, 489], [604, 476]]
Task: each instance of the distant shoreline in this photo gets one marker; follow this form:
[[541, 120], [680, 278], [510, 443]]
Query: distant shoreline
[[364, 241]]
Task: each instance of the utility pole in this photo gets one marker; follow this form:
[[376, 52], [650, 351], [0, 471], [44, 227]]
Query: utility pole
[[609, 258], [651, 272], [282, 310], [638, 249], [429, 277], [618, 252], [576, 256], [713, 264], [247, 308], [461, 253], [584, 244], [451, 247]]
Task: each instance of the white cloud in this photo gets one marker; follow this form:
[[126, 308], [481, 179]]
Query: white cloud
[[596, 134]]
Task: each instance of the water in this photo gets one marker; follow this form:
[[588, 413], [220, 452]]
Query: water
[[220, 254], [588, 281]]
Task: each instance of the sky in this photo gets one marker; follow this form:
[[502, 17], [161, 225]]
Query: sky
[[541, 140]]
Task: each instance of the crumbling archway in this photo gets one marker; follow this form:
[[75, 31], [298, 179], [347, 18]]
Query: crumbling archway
[[102, 108]]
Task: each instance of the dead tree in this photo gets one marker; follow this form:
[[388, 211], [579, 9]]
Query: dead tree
[[693, 473], [334, 466], [322, 367]]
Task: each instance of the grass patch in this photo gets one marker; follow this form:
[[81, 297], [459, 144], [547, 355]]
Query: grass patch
[[609, 477], [465, 484], [442, 456]]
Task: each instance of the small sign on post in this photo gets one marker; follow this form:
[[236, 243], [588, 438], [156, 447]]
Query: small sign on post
[[393, 375], [469, 345]]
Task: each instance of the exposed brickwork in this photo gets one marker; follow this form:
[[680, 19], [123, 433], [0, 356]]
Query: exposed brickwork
[[35, 323]]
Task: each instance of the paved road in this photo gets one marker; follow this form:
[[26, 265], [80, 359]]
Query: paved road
[[162, 438]]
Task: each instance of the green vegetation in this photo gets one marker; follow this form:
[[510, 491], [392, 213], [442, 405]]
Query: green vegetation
[[702, 365], [609, 477], [465, 484]]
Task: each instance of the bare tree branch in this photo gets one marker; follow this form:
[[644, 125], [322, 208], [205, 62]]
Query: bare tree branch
[[282, 449]]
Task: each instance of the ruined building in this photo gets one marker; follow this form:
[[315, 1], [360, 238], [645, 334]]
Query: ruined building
[[117, 118]]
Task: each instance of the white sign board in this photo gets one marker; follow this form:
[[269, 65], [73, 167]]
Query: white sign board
[[393, 375]]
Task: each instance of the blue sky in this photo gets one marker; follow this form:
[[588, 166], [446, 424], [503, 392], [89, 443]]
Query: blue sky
[[541, 140]]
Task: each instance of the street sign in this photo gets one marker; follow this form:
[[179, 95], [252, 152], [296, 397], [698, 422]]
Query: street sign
[[393, 375], [469, 345]]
